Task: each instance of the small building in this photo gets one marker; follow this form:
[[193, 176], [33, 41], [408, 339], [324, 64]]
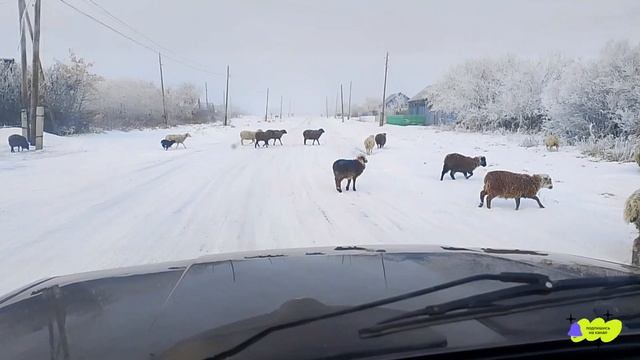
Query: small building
[[419, 106], [397, 103]]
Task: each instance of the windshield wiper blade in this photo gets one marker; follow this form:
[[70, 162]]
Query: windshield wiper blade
[[533, 279], [483, 305]]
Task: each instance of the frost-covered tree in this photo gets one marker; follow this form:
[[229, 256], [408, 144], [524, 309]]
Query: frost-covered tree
[[9, 93], [68, 88], [598, 98]]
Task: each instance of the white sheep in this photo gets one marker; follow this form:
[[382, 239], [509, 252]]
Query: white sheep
[[179, 139], [552, 141], [369, 144], [247, 135], [632, 215]]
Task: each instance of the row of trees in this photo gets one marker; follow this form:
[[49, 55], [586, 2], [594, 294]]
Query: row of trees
[[572, 98], [78, 100]]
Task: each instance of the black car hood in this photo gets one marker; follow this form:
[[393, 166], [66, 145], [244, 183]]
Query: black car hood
[[197, 308]]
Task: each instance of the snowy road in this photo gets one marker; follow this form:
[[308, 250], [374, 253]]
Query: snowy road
[[109, 200]]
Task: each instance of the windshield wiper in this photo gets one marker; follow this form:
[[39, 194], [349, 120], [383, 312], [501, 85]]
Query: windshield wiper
[[537, 281], [484, 305]]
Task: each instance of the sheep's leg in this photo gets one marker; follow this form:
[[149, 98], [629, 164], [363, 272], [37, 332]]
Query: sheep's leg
[[538, 200], [489, 198], [444, 171], [241, 141], [451, 174], [354, 183], [338, 181], [305, 141], [470, 174], [348, 183], [482, 195], [318, 140], [635, 252], [517, 203], [280, 141]]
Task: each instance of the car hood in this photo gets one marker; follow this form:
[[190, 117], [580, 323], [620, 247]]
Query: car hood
[[196, 308]]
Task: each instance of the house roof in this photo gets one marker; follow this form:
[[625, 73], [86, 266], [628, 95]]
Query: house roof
[[392, 96], [422, 95]]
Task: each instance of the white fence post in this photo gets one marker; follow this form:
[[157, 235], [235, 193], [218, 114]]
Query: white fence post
[[39, 126], [24, 122]]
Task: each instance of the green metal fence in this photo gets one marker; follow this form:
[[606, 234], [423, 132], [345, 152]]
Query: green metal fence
[[404, 120]]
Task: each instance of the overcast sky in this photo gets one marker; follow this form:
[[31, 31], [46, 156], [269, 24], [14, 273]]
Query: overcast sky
[[304, 49]]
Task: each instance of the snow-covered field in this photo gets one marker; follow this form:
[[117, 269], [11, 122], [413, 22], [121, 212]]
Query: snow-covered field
[[109, 200]]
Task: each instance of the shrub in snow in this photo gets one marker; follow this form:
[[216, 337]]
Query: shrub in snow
[[608, 148], [529, 141]]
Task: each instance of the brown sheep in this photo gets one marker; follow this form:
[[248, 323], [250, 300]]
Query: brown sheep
[[460, 163], [510, 185]]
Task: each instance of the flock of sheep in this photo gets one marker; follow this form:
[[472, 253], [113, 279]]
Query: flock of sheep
[[503, 184]]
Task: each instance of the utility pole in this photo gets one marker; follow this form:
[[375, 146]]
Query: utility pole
[[337, 95], [349, 111], [384, 89], [164, 105], [226, 100], [266, 109], [206, 96], [326, 105], [341, 103], [35, 73], [290, 114], [24, 91], [280, 107]]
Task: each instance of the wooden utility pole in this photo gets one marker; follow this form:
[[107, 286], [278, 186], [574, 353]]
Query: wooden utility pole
[[384, 89], [206, 96], [226, 100], [349, 111], [266, 109], [337, 96], [35, 73], [280, 107], [164, 104], [341, 103], [326, 105], [24, 90]]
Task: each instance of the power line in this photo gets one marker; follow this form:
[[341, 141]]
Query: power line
[[111, 15], [139, 43]]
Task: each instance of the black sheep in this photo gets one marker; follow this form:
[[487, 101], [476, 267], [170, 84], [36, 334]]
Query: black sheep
[[18, 141], [166, 144], [263, 136], [277, 135], [381, 139], [313, 135], [348, 169]]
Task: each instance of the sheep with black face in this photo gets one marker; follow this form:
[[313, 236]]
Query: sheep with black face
[[348, 169], [18, 141], [455, 162]]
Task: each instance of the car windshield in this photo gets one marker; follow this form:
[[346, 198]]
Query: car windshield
[[252, 164]]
